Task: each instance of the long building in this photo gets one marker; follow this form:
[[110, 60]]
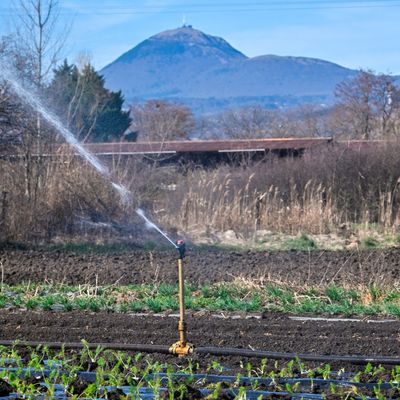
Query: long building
[[205, 152]]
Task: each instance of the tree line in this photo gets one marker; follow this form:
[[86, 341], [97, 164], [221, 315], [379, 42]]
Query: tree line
[[366, 107]]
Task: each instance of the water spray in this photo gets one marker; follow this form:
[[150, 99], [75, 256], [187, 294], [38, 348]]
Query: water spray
[[180, 348], [152, 225]]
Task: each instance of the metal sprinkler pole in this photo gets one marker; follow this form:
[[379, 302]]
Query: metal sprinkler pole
[[182, 347], [181, 324]]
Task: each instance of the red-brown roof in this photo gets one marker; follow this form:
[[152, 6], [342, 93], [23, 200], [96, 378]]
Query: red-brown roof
[[200, 146], [195, 146]]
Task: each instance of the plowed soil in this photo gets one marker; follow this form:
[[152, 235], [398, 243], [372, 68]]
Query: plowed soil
[[275, 332], [317, 267]]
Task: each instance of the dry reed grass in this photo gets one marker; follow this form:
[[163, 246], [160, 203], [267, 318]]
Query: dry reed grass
[[213, 200], [322, 192]]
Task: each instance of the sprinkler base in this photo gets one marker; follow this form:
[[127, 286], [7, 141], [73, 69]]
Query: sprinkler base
[[181, 349]]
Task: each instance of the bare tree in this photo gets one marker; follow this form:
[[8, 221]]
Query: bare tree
[[39, 34], [366, 106], [159, 120], [14, 56], [259, 122], [10, 117], [33, 50], [308, 120], [14, 119], [245, 123], [40, 38], [386, 104]]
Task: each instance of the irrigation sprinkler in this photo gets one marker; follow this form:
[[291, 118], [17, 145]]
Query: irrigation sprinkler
[[181, 348]]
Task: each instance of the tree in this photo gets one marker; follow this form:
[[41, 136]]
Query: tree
[[366, 106], [307, 120], [159, 120], [11, 117], [16, 58], [87, 108], [258, 122], [34, 49], [245, 123], [112, 122], [39, 35]]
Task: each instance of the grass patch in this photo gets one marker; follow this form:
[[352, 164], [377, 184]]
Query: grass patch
[[369, 243], [277, 241], [301, 243]]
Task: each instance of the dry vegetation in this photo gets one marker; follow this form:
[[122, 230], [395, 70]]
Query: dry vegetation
[[323, 192], [328, 191]]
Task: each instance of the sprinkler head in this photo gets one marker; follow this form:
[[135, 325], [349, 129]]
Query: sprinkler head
[[181, 247]]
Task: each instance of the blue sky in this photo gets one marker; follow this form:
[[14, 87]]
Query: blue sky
[[355, 34]]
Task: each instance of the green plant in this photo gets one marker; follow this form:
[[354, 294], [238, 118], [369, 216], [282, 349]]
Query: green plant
[[301, 243], [369, 243], [235, 296], [334, 293], [155, 305]]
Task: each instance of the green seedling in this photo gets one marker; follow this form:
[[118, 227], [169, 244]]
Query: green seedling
[[218, 297], [117, 368]]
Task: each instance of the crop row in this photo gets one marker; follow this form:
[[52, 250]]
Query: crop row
[[105, 373], [234, 296]]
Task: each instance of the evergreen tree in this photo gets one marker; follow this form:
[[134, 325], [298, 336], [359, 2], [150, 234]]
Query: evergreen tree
[[62, 89], [91, 111]]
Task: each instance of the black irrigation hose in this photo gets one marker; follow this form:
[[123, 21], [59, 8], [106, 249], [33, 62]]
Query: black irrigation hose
[[226, 351], [216, 351]]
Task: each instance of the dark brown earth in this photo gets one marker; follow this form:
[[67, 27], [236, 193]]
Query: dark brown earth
[[317, 267], [275, 332]]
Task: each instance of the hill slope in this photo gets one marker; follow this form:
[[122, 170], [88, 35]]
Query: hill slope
[[188, 65]]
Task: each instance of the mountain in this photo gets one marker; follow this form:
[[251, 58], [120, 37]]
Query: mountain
[[207, 73]]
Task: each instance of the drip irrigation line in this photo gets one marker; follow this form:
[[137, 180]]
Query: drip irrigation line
[[290, 356], [215, 351]]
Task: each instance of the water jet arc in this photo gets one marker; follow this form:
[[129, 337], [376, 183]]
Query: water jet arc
[[34, 102]]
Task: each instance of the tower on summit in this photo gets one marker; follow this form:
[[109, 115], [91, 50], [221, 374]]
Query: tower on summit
[[184, 24]]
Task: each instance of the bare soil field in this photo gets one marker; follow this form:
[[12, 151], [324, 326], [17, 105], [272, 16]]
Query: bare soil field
[[314, 268], [274, 332]]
